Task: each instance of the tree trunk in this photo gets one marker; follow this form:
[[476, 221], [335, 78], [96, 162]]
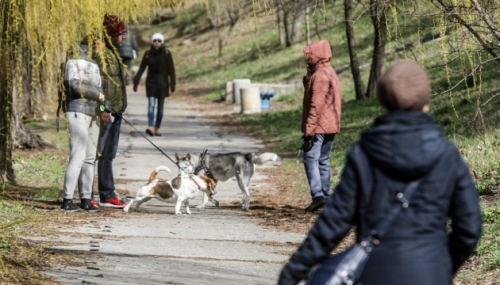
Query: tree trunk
[[288, 37], [308, 34], [6, 139], [297, 23], [279, 22], [380, 28], [356, 73]]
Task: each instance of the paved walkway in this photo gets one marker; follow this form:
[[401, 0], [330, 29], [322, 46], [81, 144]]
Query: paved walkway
[[154, 246]]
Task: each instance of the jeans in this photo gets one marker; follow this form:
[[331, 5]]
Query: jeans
[[317, 165], [84, 130], [151, 111], [109, 136]]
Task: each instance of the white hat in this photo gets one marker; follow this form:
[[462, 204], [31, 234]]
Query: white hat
[[157, 36]]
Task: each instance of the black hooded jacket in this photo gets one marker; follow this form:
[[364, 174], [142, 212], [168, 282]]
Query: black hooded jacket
[[418, 249], [160, 80]]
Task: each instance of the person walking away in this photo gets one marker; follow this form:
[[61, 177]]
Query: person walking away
[[83, 95], [128, 51], [320, 119], [422, 246], [113, 82], [160, 81]]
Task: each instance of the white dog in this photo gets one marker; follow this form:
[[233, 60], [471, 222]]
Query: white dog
[[180, 189]]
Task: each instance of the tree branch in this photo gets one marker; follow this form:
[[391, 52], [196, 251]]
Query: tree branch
[[469, 27]]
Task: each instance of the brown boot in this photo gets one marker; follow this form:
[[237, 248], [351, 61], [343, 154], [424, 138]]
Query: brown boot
[[150, 131], [157, 132]]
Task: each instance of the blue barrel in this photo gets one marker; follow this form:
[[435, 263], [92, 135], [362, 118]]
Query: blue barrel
[[265, 96]]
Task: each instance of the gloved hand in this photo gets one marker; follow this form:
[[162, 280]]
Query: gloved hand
[[308, 143], [135, 88], [172, 88]]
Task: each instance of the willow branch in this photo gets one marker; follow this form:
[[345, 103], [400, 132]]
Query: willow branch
[[486, 19], [469, 27]]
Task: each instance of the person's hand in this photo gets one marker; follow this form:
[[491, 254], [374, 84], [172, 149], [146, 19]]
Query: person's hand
[[135, 88], [172, 88], [101, 97], [106, 117], [308, 143]]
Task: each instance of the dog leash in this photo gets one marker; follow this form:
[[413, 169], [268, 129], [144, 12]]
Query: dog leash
[[108, 107]]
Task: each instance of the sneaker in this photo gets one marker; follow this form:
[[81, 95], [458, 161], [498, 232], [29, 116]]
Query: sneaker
[[88, 206], [94, 203], [113, 203], [317, 203], [68, 206]]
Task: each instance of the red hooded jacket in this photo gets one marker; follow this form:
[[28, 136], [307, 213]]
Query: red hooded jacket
[[322, 94]]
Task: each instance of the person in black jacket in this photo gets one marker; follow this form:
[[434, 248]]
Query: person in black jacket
[[402, 146], [159, 82]]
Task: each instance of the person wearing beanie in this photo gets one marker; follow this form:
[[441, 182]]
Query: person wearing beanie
[[320, 119], [113, 85], [160, 81], [402, 146]]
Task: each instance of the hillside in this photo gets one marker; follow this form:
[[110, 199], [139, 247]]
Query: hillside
[[464, 103]]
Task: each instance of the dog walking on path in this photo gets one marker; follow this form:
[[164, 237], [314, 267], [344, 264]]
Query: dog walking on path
[[222, 166]]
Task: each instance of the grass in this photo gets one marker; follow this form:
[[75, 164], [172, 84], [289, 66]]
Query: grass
[[254, 53]]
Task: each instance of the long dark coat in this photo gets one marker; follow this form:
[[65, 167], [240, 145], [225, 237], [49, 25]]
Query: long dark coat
[[418, 249], [161, 72]]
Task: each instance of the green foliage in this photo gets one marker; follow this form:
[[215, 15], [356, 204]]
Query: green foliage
[[492, 215], [489, 245], [13, 216]]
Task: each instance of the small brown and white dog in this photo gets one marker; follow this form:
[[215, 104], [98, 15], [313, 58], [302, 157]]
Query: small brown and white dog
[[180, 189]]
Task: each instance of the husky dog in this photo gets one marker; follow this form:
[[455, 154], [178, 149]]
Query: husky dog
[[222, 166]]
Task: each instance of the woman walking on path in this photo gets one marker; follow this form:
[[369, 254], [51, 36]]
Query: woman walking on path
[[159, 82]]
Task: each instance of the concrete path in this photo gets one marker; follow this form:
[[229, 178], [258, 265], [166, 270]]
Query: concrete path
[[154, 246]]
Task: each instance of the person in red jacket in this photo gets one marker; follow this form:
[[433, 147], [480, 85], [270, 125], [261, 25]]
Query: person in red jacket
[[320, 119]]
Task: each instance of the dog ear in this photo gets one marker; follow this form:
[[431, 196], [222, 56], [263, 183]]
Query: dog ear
[[188, 156], [177, 157]]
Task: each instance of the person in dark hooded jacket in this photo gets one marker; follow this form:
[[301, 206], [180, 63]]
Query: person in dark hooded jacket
[[320, 119], [402, 146], [159, 82]]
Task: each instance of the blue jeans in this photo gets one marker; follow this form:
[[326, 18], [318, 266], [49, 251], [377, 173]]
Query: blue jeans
[[317, 165], [151, 111], [109, 136]]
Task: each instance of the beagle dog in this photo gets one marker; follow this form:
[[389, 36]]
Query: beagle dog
[[179, 189]]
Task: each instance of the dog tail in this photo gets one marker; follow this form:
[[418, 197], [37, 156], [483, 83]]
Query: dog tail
[[155, 172], [265, 157]]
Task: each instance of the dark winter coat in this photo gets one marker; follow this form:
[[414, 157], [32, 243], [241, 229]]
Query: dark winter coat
[[113, 80], [129, 44], [322, 95], [82, 82], [161, 72], [418, 249]]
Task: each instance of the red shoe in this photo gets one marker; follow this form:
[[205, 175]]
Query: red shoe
[[113, 203], [94, 203]]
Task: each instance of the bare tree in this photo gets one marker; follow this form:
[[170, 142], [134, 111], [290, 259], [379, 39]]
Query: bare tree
[[308, 34], [356, 73], [378, 16], [293, 9], [279, 22], [478, 31], [233, 13]]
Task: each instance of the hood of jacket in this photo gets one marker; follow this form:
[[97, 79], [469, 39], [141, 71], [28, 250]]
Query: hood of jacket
[[317, 53], [404, 144], [160, 50]]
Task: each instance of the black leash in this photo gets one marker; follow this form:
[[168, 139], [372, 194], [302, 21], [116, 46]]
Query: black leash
[[106, 106]]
